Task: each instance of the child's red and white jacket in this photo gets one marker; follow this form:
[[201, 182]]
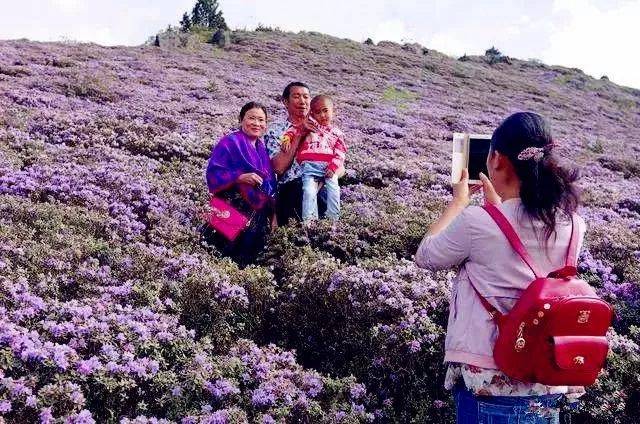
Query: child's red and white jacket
[[326, 144]]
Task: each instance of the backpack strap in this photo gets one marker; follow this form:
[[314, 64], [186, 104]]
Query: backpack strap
[[571, 261], [509, 232], [493, 311], [572, 251]]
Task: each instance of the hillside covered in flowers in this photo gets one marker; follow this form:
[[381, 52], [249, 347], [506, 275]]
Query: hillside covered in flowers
[[112, 311]]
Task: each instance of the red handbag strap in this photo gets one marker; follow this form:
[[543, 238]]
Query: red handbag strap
[[509, 232], [572, 251]]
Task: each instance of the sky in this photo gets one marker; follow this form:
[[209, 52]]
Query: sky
[[593, 35]]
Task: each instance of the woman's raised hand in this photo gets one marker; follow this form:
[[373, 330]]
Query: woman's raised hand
[[490, 195], [250, 178], [461, 190]]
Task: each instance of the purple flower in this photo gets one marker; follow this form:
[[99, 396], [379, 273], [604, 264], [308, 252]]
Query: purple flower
[[75, 394], [46, 417], [262, 397], [312, 384], [82, 417], [218, 417], [31, 401], [5, 406], [357, 391], [89, 366], [268, 419], [222, 388], [414, 346]]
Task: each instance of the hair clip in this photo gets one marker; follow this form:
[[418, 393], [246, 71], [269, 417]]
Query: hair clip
[[535, 153]]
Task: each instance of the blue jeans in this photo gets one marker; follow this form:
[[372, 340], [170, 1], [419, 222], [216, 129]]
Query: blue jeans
[[312, 174], [471, 409]]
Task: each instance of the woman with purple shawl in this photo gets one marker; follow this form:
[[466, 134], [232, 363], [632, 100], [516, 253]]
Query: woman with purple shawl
[[239, 172]]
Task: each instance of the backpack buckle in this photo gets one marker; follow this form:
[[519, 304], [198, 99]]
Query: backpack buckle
[[565, 272]]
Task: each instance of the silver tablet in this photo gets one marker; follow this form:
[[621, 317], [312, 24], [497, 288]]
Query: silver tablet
[[469, 151]]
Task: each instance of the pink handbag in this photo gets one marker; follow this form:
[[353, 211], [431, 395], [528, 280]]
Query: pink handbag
[[226, 219]]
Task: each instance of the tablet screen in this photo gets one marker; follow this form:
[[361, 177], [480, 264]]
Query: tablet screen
[[478, 152]]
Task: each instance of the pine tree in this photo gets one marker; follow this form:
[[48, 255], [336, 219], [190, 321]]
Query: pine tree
[[205, 13], [185, 23]]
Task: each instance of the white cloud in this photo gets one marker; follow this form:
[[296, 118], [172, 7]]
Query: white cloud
[[392, 30], [600, 41], [113, 22], [449, 43], [69, 5]]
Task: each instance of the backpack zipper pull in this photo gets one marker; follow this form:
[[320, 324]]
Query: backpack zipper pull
[[520, 341]]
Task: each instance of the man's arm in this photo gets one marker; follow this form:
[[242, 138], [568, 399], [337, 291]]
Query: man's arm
[[283, 160]]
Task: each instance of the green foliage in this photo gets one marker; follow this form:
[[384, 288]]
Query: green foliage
[[266, 28], [14, 71], [349, 331], [616, 395], [493, 56], [398, 97], [224, 322], [97, 87], [212, 87], [202, 33], [628, 167], [185, 23], [462, 70], [205, 13], [492, 52], [595, 145], [625, 103]]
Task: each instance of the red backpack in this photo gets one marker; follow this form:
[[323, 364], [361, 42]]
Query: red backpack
[[556, 332]]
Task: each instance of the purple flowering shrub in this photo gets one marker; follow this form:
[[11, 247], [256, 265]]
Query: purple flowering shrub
[[615, 396], [617, 274], [381, 320], [374, 222], [111, 310], [98, 331]]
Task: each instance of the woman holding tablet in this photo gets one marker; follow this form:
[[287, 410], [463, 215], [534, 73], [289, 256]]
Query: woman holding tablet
[[538, 198]]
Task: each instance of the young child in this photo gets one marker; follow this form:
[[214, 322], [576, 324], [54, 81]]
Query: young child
[[321, 154]]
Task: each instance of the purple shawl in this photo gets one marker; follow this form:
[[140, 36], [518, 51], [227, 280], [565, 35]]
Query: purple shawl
[[235, 155]]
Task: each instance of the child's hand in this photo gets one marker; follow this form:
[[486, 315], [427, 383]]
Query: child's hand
[[330, 173], [311, 124]]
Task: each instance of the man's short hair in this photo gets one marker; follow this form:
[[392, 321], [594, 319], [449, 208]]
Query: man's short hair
[[287, 89]]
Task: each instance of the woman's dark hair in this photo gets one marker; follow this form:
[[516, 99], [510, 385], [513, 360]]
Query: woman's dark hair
[[546, 188], [252, 105], [287, 89]]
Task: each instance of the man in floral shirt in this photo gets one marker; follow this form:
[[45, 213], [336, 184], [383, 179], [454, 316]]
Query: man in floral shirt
[[296, 98]]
